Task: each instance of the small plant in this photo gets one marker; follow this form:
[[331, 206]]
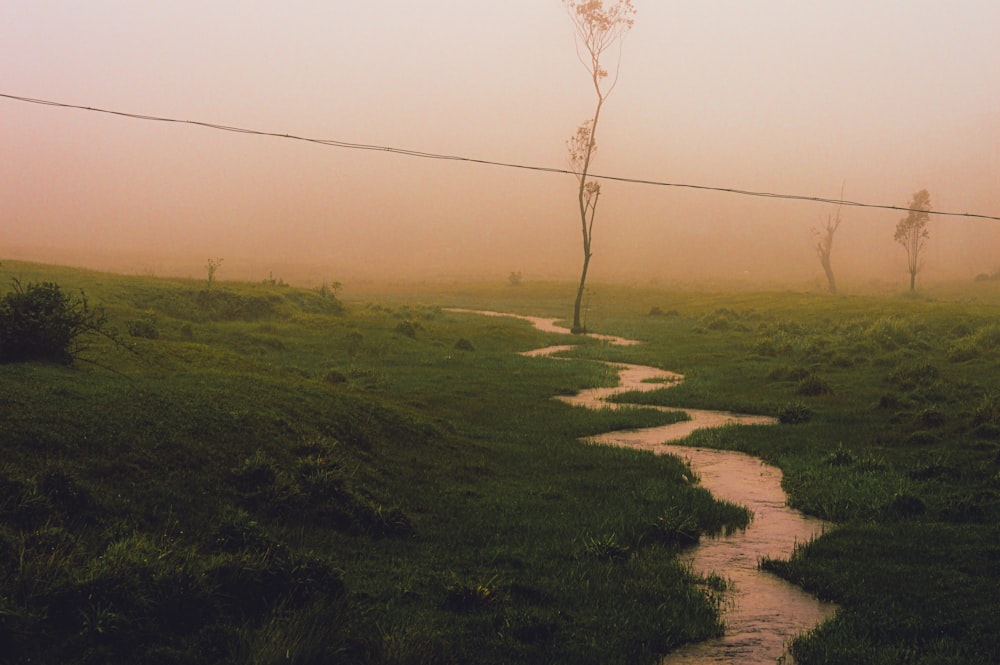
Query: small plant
[[466, 598], [408, 328], [795, 413], [840, 457], [464, 345], [257, 473], [674, 527], [931, 417], [329, 289], [334, 377], [144, 327], [239, 532], [813, 386], [607, 547], [907, 505], [514, 278], [212, 266], [889, 333], [272, 281]]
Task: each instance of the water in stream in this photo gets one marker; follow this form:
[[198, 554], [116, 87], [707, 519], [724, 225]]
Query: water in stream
[[763, 612]]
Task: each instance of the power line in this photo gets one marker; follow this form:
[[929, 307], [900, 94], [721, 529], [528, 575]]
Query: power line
[[473, 160]]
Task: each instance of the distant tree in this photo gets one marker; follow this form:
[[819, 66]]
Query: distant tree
[[212, 266], [824, 246], [598, 28], [911, 233]]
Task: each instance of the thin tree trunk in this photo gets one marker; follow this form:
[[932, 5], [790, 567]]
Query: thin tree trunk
[[828, 269], [578, 327], [588, 229]]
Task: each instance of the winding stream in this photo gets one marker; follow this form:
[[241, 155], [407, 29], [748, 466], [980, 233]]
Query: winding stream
[[762, 612]]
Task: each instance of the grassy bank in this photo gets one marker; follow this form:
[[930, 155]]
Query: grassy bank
[[260, 474], [893, 412], [891, 406]]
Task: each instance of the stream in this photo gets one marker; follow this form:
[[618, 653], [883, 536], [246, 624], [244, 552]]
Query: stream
[[761, 612]]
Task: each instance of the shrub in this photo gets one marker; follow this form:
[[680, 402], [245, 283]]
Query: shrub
[[813, 386], [840, 457], [144, 327], [607, 547], [258, 473], [40, 322], [795, 413], [464, 345], [674, 527], [408, 328], [907, 505], [334, 377], [461, 597], [930, 418]]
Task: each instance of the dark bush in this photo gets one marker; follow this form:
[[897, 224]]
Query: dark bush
[[408, 328], [907, 505], [144, 327], [795, 413], [840, 457], [813, 386], [258, 473], [930, 418], [334, 377], [40, 322], [464, 345]]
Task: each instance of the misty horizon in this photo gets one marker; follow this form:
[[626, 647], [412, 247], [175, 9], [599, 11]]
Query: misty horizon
[[787, 98]]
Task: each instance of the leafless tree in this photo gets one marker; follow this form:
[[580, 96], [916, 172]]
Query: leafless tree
[[911, 233], [598, 28], [212, 266], [824, 246]]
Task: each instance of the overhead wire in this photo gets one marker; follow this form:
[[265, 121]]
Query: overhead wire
[[488, 162]]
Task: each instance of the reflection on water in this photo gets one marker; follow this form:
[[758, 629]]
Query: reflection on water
[[763, 612]]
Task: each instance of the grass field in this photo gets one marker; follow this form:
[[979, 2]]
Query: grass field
[[270, 474]]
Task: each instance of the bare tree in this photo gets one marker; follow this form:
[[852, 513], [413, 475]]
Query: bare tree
[[824, 246], [911, 233], [598, 28], [212, 266]]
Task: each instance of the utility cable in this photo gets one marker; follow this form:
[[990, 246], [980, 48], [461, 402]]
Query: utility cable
[[473, 160]]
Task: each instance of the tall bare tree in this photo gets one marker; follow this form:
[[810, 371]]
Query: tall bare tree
[[598, 28], [824, 246], [911, 233]]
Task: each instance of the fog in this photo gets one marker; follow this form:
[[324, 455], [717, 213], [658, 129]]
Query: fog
[[881, 98]]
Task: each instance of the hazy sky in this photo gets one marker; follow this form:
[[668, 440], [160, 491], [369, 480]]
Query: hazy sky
[[887, 96]]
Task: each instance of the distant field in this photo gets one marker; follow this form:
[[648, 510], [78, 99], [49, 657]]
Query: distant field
[[272, 474]]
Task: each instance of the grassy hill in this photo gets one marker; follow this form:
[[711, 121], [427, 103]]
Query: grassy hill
[[255, 473], [260, 474]]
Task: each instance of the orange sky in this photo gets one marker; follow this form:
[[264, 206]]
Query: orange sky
[[888, 97]]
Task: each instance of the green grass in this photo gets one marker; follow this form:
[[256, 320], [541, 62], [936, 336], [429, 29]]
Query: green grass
[[276, 475], [269, 475], [893, 405]]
